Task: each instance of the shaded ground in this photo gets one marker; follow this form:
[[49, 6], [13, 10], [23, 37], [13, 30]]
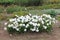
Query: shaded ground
[[54, 35]]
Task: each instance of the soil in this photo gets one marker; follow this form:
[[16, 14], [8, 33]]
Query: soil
[[54, 35]]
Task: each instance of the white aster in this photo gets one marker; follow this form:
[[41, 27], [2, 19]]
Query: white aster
[[37, 30], [10, 25], [16, 15], [34, 24], [17, 29], [38, 24], [6, 23], [42, 22], [18, 20], [45, 27], [47, 23], [25, 30], [27, 26], [32, 29], [5, 28]]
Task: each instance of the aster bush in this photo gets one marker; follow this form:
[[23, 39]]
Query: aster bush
[[32, 23]]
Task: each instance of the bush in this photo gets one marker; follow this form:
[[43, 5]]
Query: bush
[[52, 13], [11, 9], [30, 22]]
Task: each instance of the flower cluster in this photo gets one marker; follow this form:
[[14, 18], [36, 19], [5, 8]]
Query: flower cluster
[[30, 22]]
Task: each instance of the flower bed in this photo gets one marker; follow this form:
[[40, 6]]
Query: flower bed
[[30, 22]]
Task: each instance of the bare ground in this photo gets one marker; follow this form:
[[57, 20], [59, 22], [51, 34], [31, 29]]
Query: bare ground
[[54, 35]]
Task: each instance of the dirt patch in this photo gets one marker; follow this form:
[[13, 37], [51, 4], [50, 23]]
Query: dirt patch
[[54, 35]]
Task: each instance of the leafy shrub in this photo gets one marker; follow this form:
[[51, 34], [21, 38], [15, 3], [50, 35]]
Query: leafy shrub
[[11, 9], [52, 13], [30, 22]]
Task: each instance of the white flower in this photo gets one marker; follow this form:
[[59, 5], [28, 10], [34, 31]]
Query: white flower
[[35, 16], [47, 23], [47, 20], [43, 18], [22, 24], [25, 30], [16, 15], [26, 20], [15, 24], [29, 14], [40, 19], [38, 24], [35, 24], [50, 22], [5, 28], [32, 29], [34, 20], [49, 16], [53, 18], [45, 27], [18, 20], [14, 27], [22, 21], [44, 14], [17, 29], [6, 23], [30, 22], [22, 17], [42, 22], [37, 30], [11, 20], [27, 26], [10, 25]]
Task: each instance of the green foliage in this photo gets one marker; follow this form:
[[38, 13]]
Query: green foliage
[[28, 2], [1, 9], [54, 6], [21, 2], [11, 9], [20, 13], [52, 13], [6, 1], [49, 6]]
